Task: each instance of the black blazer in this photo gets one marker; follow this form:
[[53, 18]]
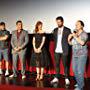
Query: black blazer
[[65, 45]]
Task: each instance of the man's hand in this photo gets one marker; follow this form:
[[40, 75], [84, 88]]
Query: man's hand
[[3, 38], [72, 35], [17, 49]]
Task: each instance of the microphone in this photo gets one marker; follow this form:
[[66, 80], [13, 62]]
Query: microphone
[[75, 31]]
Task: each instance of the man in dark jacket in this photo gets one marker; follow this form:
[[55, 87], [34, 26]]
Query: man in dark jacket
[[60, 35]]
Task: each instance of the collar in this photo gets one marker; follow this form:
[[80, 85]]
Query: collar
[[20, 31]]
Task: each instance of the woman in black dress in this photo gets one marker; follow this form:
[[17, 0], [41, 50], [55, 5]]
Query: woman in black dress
[[39, 57]]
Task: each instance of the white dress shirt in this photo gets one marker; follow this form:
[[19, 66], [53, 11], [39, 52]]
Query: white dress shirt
[[59, 41]]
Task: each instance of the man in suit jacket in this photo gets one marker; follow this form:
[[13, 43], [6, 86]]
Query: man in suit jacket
[[19, 41], [60, 35]]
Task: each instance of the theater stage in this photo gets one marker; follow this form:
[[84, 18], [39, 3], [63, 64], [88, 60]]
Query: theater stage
[[30, 83]]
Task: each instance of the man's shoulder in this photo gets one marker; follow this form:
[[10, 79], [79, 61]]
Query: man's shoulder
[[84, 33], [4, 31], [66, 28], [56, 28], [7, 31], [25, 31]]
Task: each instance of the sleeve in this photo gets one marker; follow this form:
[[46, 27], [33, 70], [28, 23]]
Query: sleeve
[[7, 33], [84, 37], [44, 35], [53, 34], [26, 40], [12, 39], [69, 31]]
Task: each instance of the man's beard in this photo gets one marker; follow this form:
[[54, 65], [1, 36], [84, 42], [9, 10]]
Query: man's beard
[[60, 26]]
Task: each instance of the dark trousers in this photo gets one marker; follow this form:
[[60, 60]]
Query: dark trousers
[[58, 57]]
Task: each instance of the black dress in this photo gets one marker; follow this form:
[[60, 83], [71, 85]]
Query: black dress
[[39, 59]]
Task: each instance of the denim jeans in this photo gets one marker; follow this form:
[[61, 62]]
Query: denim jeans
[[79, 63], [5, 54]]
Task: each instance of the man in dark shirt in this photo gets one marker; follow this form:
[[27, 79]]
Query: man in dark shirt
[[4, 47]]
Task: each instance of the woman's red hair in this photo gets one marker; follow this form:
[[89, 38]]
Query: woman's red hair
[[36, 26]]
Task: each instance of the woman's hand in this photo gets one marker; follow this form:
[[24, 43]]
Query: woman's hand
[[37, 50]]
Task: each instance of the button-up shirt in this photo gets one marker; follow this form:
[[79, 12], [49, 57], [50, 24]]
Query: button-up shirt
[[77, 48]]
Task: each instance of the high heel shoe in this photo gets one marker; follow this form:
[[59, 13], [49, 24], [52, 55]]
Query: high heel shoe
[[37, 78]]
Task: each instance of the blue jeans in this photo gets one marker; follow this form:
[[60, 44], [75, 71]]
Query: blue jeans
[[79, 63]]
